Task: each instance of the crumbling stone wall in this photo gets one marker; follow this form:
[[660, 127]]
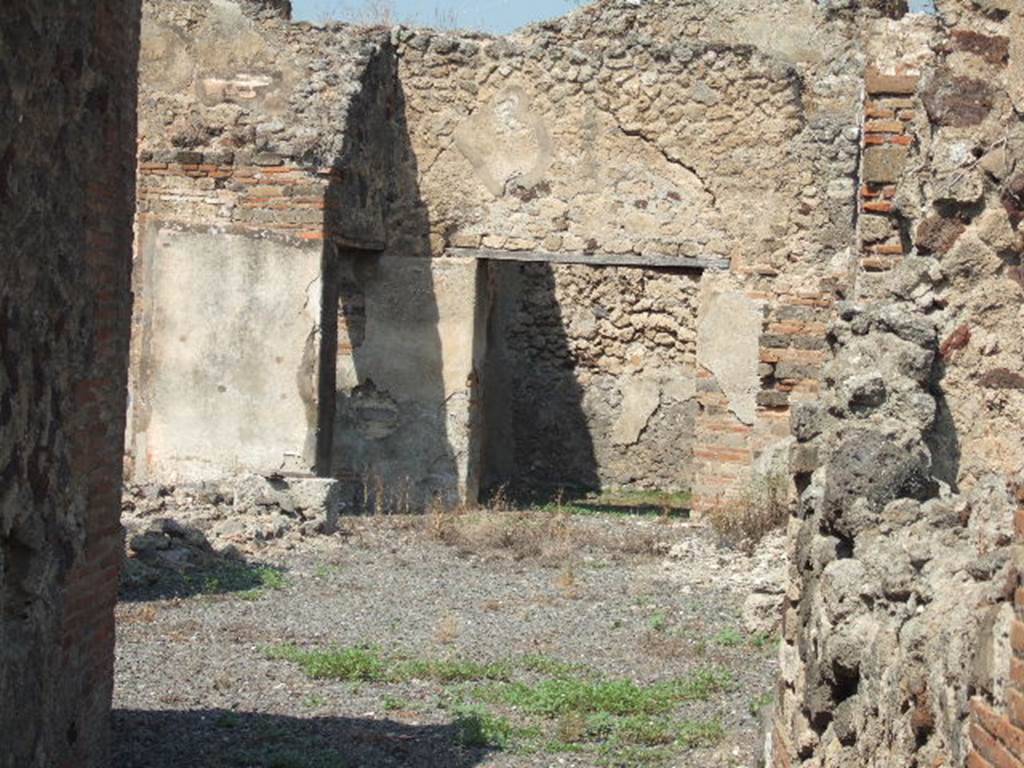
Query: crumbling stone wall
[[594, 137], [584, 139], [590, 380], [900, 603], [286, 142], [67, 122]]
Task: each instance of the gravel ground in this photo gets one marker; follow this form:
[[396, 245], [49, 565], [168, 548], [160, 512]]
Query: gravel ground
[[634, 598]]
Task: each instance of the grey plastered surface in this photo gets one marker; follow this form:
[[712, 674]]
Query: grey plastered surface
[[407, 405], [225, 378]]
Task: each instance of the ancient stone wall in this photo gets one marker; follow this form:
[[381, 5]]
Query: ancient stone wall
[[67, 122], [900, 605], [585, 140], [240, 209], [606, 136], [274, 161], [590, 380]]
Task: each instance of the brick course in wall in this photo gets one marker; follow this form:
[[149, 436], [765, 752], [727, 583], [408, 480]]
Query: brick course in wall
[[997, 735], [889, 140], [270, 196]]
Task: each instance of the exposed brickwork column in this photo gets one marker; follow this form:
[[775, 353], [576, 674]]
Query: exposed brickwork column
[[997, 738], [890, 108]]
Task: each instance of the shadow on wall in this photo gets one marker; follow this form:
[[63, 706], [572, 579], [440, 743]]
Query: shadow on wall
[[943, 441], [399, 339], [218, 738], [538, 443]]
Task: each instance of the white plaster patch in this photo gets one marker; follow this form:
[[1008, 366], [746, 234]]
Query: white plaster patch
[[728, 331], [640, 399]]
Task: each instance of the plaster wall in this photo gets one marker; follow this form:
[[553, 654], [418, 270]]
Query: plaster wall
[[229, 333]]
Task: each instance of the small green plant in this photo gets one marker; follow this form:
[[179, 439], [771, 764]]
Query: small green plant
[[354, 664], [556, 697], [658, 622], [246, 581], [396, 703], [764, 640], [759, 702], [728, 637], [448, 670], [546, 665], [359, 664], [475, 726], [314, 701], [271, 578]]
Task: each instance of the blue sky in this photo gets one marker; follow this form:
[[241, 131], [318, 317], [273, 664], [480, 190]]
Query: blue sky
[[491, 15]]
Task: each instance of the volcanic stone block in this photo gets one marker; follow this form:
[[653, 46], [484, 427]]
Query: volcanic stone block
[[884, 165], [959, 102]]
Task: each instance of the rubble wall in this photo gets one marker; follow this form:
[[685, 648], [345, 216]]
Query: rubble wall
[[67, 122], [605, 136], [317, 327], [899, 628], [591, 378]]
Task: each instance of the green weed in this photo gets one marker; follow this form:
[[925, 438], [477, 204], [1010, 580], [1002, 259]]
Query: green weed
[[658, 622], [759, 702], [475, 726], [728, 637], [554, 697]]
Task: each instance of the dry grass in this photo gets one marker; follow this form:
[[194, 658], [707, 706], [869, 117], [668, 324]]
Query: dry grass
[[447, 629], [744, 520], [567, 582], [550, 537]]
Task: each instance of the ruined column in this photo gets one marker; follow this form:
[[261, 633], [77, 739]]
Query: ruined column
[[67, 147]]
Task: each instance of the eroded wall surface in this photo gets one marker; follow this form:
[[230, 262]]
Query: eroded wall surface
[[608, 134], [67, 135], [590, 380], [287, 145], [900, 636], [254, 167]]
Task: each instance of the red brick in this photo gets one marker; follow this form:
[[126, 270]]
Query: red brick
[[1015, 706], [883, 126], [877, 83], [878, 207], [888, 249], [877, 264], [878, 113], [999, 727], [990, 749]]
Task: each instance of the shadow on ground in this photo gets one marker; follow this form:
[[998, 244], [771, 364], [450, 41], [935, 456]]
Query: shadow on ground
[[218, 738], [172, 560]]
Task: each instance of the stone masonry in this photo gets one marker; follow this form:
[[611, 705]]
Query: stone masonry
[[644, 236], [677, 244], [67, 158], [900, 628]]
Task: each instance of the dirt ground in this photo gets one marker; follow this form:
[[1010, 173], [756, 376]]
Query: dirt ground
[[494, 639]]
